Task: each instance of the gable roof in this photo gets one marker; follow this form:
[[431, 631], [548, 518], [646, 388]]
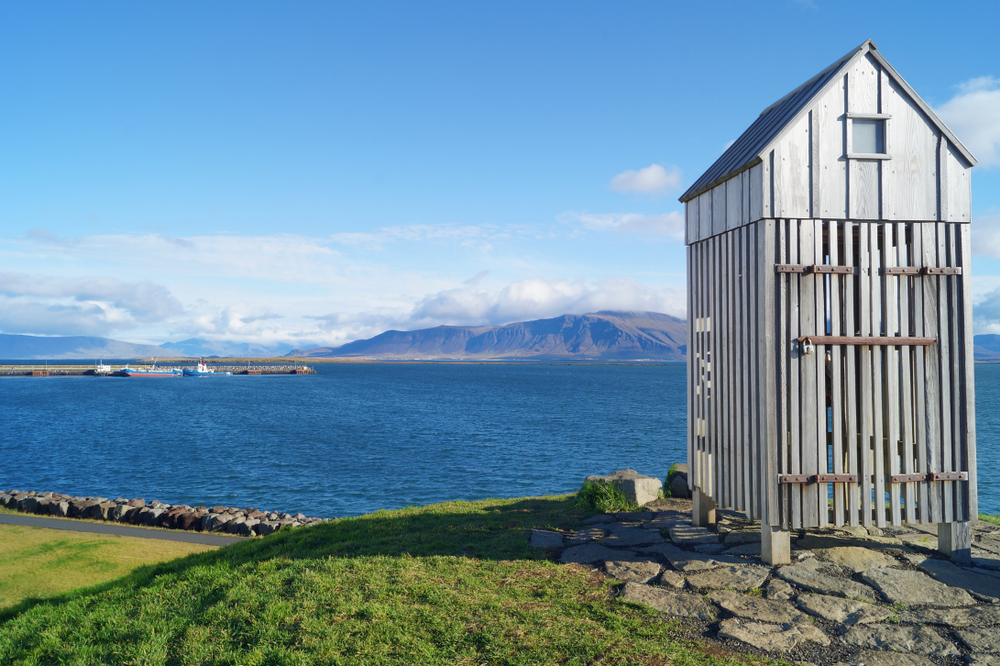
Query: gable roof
[[745, 151]]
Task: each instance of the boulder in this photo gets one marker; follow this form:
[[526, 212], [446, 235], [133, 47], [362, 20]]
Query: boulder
[[678, 482], [137, 503], [189, 520], [638, 488], [268, 527]]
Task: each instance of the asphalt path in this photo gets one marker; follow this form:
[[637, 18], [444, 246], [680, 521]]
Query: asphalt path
[[118, 530]]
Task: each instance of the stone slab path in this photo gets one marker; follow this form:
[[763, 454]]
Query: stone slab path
[[879, 597]]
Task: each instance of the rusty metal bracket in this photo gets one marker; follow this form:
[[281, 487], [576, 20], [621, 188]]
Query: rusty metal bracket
[[907, 478], [813, 268], [921, 270]]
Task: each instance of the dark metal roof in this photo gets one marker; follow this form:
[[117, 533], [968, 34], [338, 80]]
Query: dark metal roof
[[745, 150]]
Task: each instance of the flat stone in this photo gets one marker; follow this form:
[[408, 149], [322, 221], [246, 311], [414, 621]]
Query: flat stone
[[980, 639], [844, 611], [809, 577], [598, 519], [982, 660], [710, 548], [745, 549], [689, 535], [980, 558], [925, 541], [686, 561], [634, 516], [639, 572], [739, 537], [665, 523], [975, 616], [677, 604], [772, 637], [755, 608], [779, 590], [586, 535], [741, 578], [904, 587], [980, 583], [915, 640], [632, 536], [885, 658], [546, 539], [823, 541], [673, 579], [990, 543], [595, 552], [856, 559]]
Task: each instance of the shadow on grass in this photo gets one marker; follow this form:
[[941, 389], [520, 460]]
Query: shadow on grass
[[486, 530]]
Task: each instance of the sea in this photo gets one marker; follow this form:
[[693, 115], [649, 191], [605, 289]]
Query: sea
[[359, 437]]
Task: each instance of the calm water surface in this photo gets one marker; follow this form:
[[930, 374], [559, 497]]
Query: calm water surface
[[357, 438]]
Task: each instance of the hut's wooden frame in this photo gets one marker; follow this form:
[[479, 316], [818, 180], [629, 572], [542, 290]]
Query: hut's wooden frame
[[830, 359]]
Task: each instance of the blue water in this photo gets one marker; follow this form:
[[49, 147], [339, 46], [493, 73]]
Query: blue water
[[360, 437], [352, 439]]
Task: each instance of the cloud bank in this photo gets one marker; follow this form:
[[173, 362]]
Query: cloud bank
[[974, 115], [654, 180]]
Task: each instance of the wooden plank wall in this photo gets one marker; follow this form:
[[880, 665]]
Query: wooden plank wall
[[759, 407]]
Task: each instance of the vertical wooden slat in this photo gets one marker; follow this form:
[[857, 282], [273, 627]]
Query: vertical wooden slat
[[878, 411], [725, 361], [713, 356], [768, 431], [740, 396], [755, 443], [968, 383], [920, 378], [907, 395], [944, 354], [794, 374], [954, 324], [851, 376], [820, 425], [836, 371], [932, 392], [731, 379], [865, 398], [784, 357], [890, 288], [749, 316], [692, 356], [809, 375]]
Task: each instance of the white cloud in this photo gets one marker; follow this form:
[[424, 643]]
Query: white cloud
[[974, 115], [670, 225], [986, 236], [653, 180]]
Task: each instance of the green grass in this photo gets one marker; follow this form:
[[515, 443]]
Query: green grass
[[40, 563], [452, 583], [990, 519], [603, 497]]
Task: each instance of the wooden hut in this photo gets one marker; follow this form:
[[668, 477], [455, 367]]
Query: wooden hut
[[830, 367]]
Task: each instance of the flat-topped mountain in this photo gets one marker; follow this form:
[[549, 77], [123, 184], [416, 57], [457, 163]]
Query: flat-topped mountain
[[72, 347], [598, 336]]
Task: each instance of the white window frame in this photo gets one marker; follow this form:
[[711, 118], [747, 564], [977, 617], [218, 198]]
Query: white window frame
[[884, 117]]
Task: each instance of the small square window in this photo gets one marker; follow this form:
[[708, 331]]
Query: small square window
[[868, 136]]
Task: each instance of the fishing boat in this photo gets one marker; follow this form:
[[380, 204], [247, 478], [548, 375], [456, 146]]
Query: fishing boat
[[204, 371], [151, 371], [101, 369]]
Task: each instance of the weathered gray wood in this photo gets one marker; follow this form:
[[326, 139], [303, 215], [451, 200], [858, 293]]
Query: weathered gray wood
[[878, 413], [865, 396], [815, 166], [955, 541], [920, 379], [705, 216], [767, 199], [968, 383], [756, 193], [905, 258], [864, 189], [718, 209], [724, 496], [890, 298], [702, 509], [954, 325], [768, 430], [757, 448], [944, 322], [692, 353], [863, 82], [932, 395], [734, 202], [749, 318], [851, 377], [959, 187], [775, 545], [795, 374], [836, 372], [820, 425]]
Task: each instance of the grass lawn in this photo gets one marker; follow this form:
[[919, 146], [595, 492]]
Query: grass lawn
[[451, 583], [40, 563]]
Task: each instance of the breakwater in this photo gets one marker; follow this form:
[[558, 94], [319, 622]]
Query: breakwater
[[249, 522], [42, 370]]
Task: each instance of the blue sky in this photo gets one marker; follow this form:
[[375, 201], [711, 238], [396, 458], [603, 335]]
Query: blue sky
[[312, 173]]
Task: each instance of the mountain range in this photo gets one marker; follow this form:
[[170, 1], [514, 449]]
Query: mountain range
[[601, 336]]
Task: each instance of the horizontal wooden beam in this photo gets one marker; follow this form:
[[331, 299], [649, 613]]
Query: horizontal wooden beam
[[921, 270], [930, 476], [866, 341], [817, 478]]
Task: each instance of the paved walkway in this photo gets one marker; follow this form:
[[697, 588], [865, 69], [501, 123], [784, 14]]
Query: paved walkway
[[119, 530], [851, 596]]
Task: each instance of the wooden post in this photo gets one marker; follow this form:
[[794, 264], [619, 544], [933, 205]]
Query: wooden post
[[955, 541], [702, 509], [775, 545]]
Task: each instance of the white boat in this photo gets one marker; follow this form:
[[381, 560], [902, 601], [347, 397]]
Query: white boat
[[204, 371]]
